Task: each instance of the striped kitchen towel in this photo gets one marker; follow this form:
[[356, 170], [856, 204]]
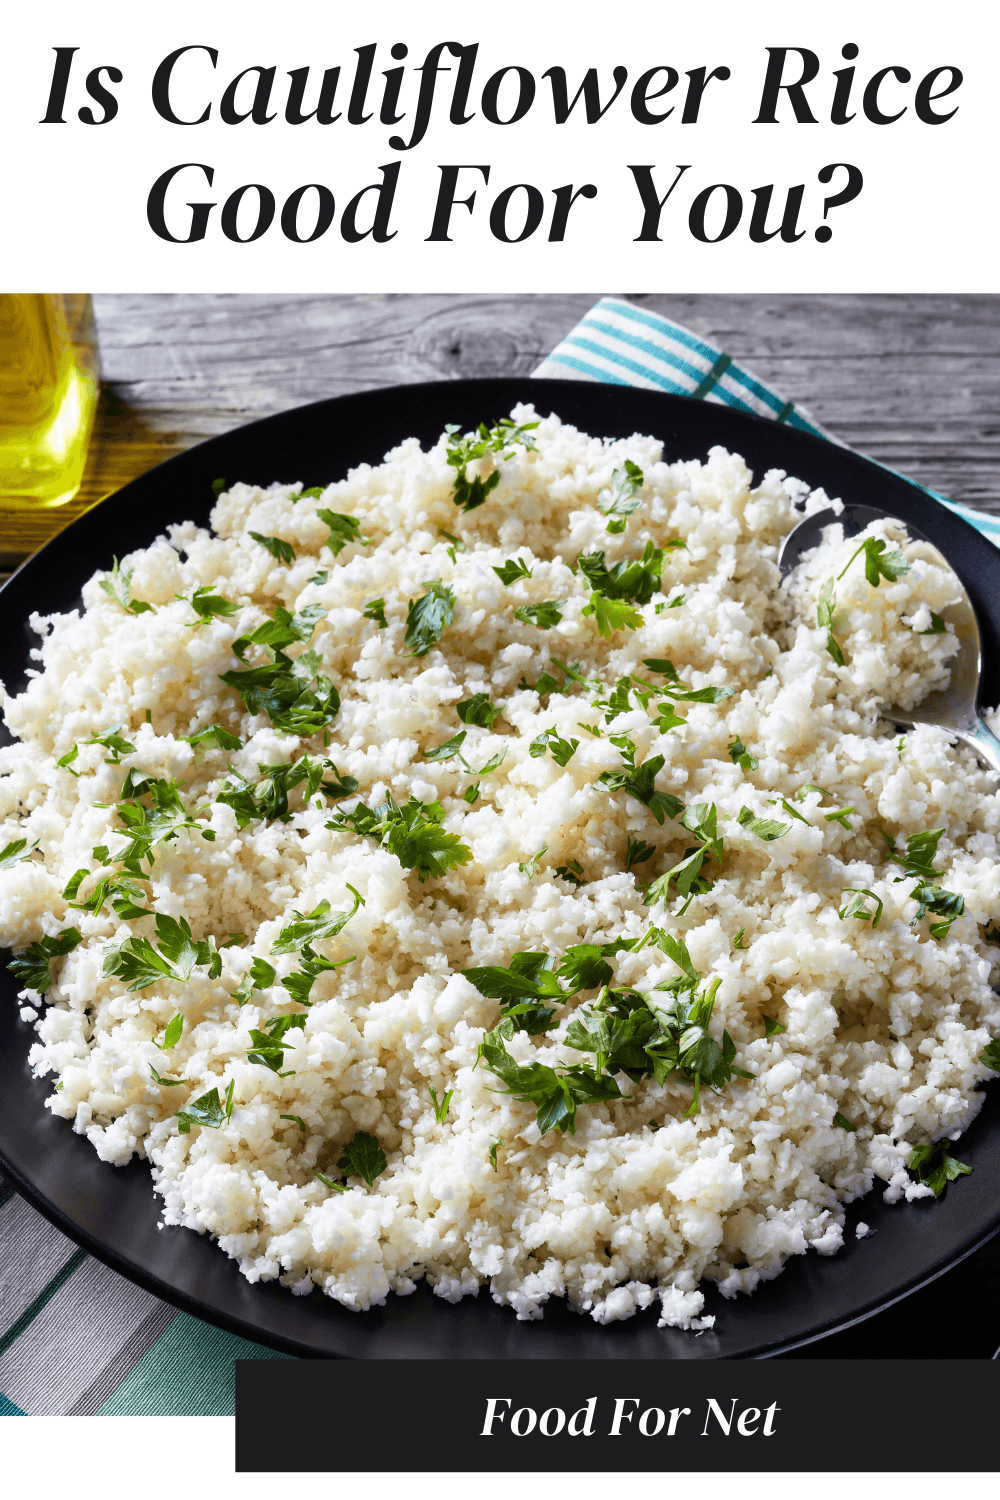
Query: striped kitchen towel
[[77, 1338], [619, 344]]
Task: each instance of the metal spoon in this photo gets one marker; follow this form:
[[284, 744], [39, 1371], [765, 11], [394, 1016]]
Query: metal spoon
[[954, 708]]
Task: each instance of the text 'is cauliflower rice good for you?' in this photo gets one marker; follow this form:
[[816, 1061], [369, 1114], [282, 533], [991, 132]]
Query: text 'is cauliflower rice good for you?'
[[479, 869]]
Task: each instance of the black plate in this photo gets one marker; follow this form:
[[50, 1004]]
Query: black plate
[[112, 1211]]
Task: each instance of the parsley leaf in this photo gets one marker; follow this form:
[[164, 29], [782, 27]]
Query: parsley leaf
[[767, 829], [562, 750], [167, 1083], [375, 610], [118, 586], [412, 833], [206, 605], [610, 615], [544, 615], [879, 563], [513, 569], [284, 552], [990, 1055], [343, 529], [530, 866], [147, 826], [937, 626], [499, 439], [635, 581], [741, 756], [260, 976], [299, 984], [363, 1157], [921, 851], [113, 741], [945, 904], [222, 738], [637, 851], [934, 1164], [321, 923], [701, 819], [638, 781], [30, 968], [555, 1095], [573, 872], [138, 964], [297, 1119], [172, 1034], [315, 492], [772, 1027], [843, 1122], [622, 498], [827, 619], [280, 687], [268, 796], [11, 854], [440, 1110], [208, 1110], [218, 487], [494, 1145], [268, 1046], [858, 907], [428, 617], [478, 710]]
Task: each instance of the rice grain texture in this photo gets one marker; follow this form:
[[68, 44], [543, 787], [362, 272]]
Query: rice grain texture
[[884, 1027]]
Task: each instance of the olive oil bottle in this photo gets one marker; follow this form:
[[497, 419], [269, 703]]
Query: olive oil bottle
[[49, 375]]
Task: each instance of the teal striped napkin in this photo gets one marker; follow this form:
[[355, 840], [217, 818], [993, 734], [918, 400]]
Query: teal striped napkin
[[79, 1339], [619, 344]]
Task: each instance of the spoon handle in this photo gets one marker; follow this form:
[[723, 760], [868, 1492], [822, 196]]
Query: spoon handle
[[983, 741]]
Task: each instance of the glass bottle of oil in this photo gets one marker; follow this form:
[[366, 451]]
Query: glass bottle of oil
[[49, 373]]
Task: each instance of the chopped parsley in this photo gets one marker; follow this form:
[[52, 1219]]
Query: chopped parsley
[[549, 739], [343, 529], [268, 1046], [119, 891], [147, 826], [428, 617], [530, 988], [222, 737], [320, 577], [284, 552], [172, 1034], [555, 1095], [412, 833], [741, 756], [138, 964], [530, 866], [167, 1083], [12, 853], [296, 1119], [267, 797], [118, 586], [544, 615], [375, 610], [839, 815], [573, 872], [111, 740], [260, 976], [30, 968], [440, 1110], [918, 862], [641, 1036], [635, 581], [843, 1122], [766, 829], [944, 904], [315, 492], [363, 1157], [622, 498], [637, 851], [494, 1146], [478, 710], [513, 569], [610, 615], [701, 819], [990, 1055], [638, 781], [207, 605], [858, 906], [208, 1110], [500, 439], [827, 619], [738, 940], [453, 747], [921, 851], [934, 1165], [879, 563], [772, 1027], [218, 487], [320, 924], [280, 688], [937, 626]]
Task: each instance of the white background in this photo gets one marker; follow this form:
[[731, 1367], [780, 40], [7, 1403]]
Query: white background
[[925, 220]]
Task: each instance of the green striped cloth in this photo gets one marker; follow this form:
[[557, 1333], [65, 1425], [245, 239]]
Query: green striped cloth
[[78, 1339]]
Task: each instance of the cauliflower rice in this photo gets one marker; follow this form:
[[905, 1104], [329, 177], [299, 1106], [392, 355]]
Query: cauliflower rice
[[884, 1028]]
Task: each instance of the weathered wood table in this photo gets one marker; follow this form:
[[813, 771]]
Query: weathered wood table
[[911, 380]]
